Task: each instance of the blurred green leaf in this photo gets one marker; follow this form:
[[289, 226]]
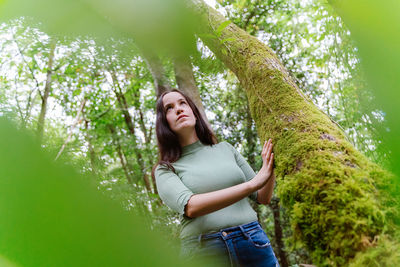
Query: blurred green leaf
[[77, 92], [222, 27], [156, 24], [6, 263], [375, 26], [53, 217]]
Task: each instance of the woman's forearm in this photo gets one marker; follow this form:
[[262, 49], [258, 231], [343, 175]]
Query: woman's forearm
[[264, 194], [202, 204]]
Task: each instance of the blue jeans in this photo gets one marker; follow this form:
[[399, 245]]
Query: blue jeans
[[242, 245]]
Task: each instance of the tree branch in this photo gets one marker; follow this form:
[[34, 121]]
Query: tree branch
[[77, 121]]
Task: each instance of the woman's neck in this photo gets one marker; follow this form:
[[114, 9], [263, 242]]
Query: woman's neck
[[188, 139]]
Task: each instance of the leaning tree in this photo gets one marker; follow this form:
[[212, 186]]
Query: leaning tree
[[333, 192]]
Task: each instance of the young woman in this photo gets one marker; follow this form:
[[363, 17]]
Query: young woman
[[208, 184]]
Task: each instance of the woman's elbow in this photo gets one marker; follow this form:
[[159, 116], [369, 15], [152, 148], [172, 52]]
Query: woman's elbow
[[264, 200], [189, 210]]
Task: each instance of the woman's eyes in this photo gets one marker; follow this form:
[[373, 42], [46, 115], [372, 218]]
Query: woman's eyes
[[180, 103]]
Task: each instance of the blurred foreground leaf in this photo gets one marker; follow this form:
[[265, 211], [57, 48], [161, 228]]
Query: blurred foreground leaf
[[50, 216], [155, 24], [6, 263], [375, 26]]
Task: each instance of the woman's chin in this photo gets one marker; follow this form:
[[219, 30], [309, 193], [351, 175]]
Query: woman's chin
[[185, 126]]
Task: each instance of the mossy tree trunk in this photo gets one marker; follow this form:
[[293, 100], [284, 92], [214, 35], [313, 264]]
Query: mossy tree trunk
[[329, 188], [251, 143]]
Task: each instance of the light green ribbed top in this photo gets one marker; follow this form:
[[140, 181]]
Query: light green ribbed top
[[203, 169]]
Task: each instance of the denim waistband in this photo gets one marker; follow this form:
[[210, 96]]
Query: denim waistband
[[226, 233]]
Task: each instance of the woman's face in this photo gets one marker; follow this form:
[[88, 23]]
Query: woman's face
[[179, 115]]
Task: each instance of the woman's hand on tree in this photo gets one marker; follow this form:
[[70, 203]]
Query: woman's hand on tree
[[205, 203], [267, 168]]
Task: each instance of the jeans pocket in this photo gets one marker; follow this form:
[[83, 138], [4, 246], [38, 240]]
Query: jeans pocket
[[258, 238]]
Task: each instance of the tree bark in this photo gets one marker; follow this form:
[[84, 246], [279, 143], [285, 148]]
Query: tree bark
[[46, 92], [147, 139], [186, 82], [275, 207], [330, 189], [122, 159], [156, 68], [92, 153], [251, 138], [29, 105]]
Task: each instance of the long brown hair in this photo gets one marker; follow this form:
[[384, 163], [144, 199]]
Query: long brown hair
[[169, 147]]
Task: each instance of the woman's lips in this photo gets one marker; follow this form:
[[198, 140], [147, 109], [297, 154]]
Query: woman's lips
[[182, 116]]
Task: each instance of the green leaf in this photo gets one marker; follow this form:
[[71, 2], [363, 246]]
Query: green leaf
[[224, 51], [221, 27], [228, 39], [55, 217], [77, 92]]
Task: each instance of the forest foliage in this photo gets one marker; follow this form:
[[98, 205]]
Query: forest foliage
[[99, 109]]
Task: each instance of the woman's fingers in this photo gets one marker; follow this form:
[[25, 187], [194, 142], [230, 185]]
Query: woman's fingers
[[269, 151], [271, 162], [266, 151], [262, 151]]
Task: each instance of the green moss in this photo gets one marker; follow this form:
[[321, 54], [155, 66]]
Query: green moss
[[332, 192], [384, 252], [330, 189]]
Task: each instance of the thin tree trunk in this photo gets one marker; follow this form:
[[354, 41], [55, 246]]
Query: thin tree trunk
[[147, 137], [28, 110], [77, 121], [129, 122], [331, 189], [186, 82], [19, 108], [46, 92], [156, 68], [275, 207], [122, 159], [92, 154], [143, 127], [184, 78]]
